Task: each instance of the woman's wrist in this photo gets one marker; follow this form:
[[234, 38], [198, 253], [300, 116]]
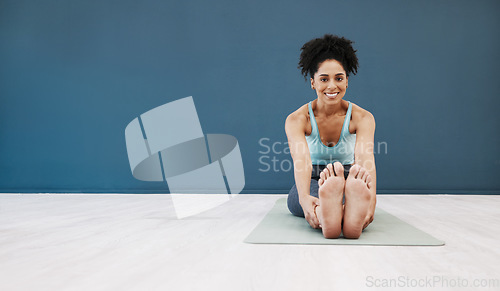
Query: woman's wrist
[[303, 197]]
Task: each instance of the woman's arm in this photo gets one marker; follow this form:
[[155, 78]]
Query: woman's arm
[[302, 166], [363, 154]]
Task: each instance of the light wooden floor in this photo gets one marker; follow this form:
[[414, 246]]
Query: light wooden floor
[[134, 242]]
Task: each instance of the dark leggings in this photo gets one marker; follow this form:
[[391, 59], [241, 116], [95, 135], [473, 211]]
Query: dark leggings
[[293, 195]]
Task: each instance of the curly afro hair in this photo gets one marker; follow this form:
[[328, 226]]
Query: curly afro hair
[[328, 47]]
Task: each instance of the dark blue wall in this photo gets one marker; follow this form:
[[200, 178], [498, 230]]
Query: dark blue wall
[[73, 74]]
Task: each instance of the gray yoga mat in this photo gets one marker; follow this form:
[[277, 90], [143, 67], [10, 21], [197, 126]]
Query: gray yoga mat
[[281, 227]]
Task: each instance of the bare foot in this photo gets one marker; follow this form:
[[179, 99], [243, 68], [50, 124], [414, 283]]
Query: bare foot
[[357, 201], [331, 192]]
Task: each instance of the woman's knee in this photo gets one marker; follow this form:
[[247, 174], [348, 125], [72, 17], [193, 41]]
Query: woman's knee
[[293, 202]]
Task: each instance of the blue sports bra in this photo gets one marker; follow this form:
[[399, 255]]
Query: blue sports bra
[[342, 151]]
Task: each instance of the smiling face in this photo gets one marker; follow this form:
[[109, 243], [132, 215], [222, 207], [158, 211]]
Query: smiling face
[[330, 81]]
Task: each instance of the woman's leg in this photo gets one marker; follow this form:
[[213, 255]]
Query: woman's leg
[[293, 198], [357, 202], [331, 192]]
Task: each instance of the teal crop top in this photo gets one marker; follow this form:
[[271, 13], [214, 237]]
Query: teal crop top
[[342, 151]]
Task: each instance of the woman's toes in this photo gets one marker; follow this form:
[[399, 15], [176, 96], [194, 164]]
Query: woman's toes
[[369, 181], [327, 172], [330, 168], [354, 171], [367, 175], [339, 169], [361, 173], [320, 182], [322, 176]]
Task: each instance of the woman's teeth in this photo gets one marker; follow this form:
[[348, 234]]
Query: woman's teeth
[[331, 95]]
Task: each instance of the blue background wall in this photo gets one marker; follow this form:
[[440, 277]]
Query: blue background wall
[[73, 74]]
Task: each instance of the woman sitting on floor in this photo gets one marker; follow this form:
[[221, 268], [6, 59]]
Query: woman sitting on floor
[[331, 143]]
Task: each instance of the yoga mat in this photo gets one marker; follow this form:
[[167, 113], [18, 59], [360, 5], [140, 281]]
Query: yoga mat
[[279, 226]]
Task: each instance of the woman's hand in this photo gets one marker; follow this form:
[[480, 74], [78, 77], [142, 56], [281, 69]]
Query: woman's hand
[[309, 204]]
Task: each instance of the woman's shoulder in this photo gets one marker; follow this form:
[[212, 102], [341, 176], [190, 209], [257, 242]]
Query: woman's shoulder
[[301, 114], [361, 116], [299, 120], [360, 113]]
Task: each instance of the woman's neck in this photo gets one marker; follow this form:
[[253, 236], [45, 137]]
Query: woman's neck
[[330, 109]]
